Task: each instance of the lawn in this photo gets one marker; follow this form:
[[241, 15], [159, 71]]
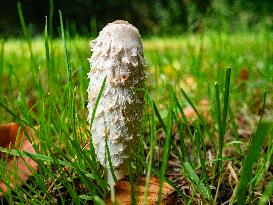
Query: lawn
[[211, 141]]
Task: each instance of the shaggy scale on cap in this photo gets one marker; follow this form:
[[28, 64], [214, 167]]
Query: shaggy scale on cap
[[118, 56]]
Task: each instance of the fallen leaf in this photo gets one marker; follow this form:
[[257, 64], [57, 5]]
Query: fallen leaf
[[203, 108], [123, 193], [190, 113], [20, 169], [244, 73]]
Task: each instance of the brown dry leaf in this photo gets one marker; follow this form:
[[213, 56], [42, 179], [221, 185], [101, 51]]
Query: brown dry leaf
[[190, 113], [203, 108], [123, 194], [20, 169], [244, 73]]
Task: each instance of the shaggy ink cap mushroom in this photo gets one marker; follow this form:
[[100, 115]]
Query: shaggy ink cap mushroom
[[118, 57]]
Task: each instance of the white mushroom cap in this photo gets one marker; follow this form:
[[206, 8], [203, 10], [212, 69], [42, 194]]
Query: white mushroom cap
[[118, 45]]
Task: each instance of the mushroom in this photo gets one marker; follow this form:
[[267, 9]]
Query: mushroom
[[118, 57]]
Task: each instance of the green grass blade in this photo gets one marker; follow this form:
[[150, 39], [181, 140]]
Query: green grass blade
[[202, 120], [51, 15], [186, 155], [165, 128], [48, 61], [14, 115], [109, 162], [68, 68], [268, 192], [263, 108], [194, 178], [235, 131], [98, 201], [132, 187], [34, 64], [25, 31], [266, 162], [152, 146], [187, 125], [253, 153], [97, 103], [199, 143], [36, 156], [226, 99], [69, 85], [159, 117], [255, 145], [166, 150], [193, 107], [219, 124]]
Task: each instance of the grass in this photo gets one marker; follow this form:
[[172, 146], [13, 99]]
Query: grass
[[44, 82]]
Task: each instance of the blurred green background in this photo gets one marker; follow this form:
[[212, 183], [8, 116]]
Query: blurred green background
[[161, 17]]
